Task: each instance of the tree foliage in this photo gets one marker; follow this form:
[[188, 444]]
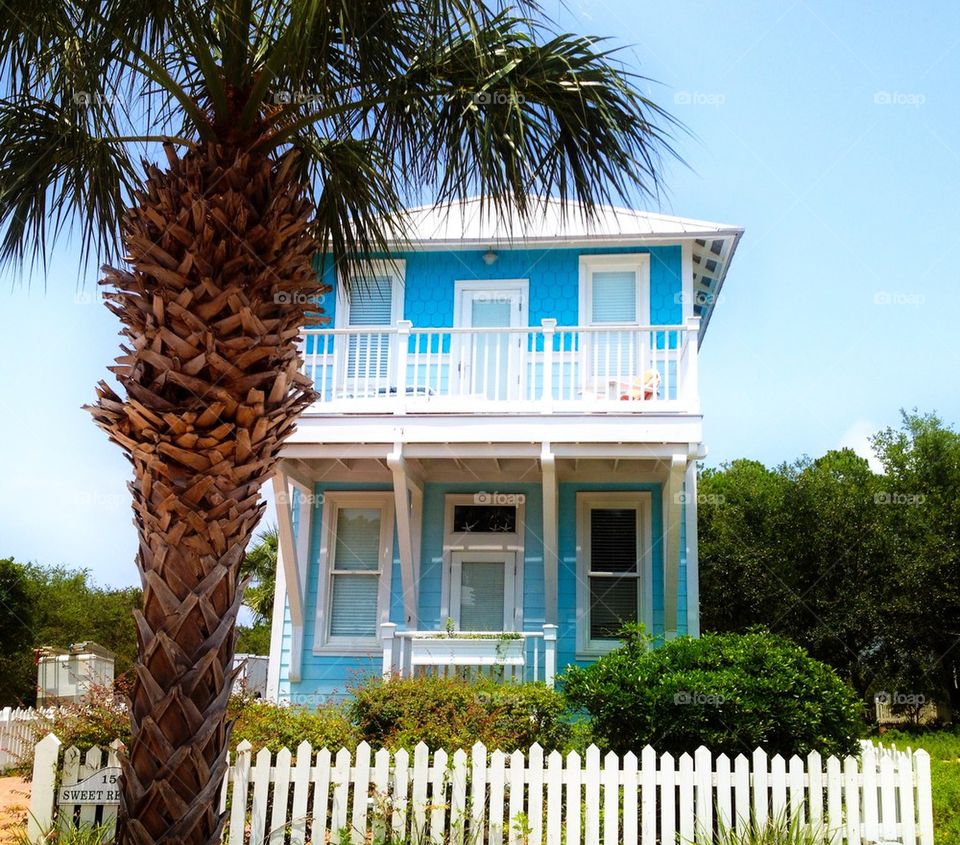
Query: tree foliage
[[58, 606], [732, 693], [859, 567]]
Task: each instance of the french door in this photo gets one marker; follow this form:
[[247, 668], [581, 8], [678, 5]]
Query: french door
[[490, 364], [482, 590]]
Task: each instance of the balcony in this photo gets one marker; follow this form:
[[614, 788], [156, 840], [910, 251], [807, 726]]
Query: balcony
[[538, 369], [503, 656]]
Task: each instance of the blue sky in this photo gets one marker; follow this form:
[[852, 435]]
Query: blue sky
[[830, 131]]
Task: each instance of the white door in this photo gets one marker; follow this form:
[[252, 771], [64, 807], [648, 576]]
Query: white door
[[490, 364], [482, 587]]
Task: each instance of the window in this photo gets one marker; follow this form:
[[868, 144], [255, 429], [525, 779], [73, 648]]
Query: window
[[356, 557], [614, 291], [614, 569], [373, 301]]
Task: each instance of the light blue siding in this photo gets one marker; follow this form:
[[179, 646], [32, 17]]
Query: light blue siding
[[329, 675], [554, 276]]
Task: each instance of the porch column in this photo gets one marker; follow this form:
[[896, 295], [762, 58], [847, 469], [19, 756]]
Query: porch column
[[402, 484], [672, 514], [551, 560], [287, 558], [693, 558], [549, 654]]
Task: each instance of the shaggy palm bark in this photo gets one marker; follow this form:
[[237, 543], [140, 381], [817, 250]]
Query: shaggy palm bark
[[219, 256]]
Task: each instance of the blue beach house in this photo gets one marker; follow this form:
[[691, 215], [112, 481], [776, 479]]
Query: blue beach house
[[499, 467]]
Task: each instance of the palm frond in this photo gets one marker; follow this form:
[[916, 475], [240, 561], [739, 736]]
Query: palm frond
[[54, 170]]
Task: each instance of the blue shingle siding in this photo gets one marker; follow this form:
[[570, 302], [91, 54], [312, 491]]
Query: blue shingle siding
[[554, 276]]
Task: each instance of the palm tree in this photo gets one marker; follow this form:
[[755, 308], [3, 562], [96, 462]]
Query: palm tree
[[270, 132], [260, 566]]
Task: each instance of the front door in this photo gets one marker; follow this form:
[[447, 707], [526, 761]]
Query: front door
[[490, 362], [482, 590]]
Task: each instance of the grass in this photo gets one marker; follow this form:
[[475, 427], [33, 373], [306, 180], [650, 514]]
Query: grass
[[944, 749]]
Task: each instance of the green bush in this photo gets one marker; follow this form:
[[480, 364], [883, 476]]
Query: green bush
[[267, 725], [453, 713], [729, 692]]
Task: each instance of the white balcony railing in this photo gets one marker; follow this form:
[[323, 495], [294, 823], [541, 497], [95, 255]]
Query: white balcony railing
[[541, 368], [505, 656]]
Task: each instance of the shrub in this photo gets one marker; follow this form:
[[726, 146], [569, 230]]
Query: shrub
[[267, 725], [729, 692], [454, 713]]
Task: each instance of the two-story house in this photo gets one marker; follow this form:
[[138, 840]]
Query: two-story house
[[499, 468]]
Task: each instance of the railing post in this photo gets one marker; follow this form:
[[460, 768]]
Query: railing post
[[388, 632], [549, 333], [549, 654], [403, 343], [43, 789], [691, 364]]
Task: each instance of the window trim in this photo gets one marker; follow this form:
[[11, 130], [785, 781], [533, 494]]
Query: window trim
[[481, 542], [638, 263], [396, 268], [333, 502], [642, 502]]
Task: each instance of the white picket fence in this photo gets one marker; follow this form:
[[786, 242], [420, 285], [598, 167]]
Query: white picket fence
[[17, 735], [537, 799]]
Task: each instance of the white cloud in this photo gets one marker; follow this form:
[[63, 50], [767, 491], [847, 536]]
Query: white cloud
[[857, 437]]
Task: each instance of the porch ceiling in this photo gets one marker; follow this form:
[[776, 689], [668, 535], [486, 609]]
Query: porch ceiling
[[481, 469]]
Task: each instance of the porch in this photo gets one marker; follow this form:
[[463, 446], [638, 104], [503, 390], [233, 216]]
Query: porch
[[501, 655], [541, 369]]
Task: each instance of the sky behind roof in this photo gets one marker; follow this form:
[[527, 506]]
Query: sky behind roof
[[830, 131]]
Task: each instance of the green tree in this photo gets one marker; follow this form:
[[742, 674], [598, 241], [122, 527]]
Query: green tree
[[273, 131], [919, 648], [260, 566], [62, 606], [17, 672], [860, 568]]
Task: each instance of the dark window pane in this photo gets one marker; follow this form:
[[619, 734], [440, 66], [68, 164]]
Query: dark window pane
[[484, 519], [613, 601], [613, 540]]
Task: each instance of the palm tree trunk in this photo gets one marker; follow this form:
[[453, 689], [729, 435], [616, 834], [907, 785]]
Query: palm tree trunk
[[212, 305]]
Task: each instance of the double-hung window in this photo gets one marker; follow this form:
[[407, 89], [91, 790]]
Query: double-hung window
[[371, 306], [614, 291], [614, 567], [355, 559]]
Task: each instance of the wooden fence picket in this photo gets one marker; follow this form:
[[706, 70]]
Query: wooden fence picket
[[572, 772], [260, 778], [401, 786], [687, 808], [478, 792], [458, 798], [554, 797], [496, 779], [281, 792], [724, 807], [741, 793], [361, 792], [535, 795], [668, 799]]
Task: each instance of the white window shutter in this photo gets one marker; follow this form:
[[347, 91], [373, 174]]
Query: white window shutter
[[614, 296]]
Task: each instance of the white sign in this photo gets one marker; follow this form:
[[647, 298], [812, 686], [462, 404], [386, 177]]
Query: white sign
[[101, 787]]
